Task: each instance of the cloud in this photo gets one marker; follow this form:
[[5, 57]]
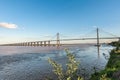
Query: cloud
[[8, 25]]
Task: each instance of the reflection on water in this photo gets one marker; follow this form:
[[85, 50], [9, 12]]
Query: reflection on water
[[30, 63], [98, 50]]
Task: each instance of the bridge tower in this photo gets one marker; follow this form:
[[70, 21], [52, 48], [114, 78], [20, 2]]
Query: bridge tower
[[58, 40], [98, 44]]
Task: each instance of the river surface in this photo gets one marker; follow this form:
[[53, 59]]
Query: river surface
[[30, 63]]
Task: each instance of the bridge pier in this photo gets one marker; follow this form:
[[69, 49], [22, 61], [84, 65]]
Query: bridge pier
[[31, 44], [17, 44], [58, 40], [41, 43], [28, 44], [37, 44], [25, 44], [98, 44], [14, 44], [48, 43], [44, 43], [34, 44], [21, 44]]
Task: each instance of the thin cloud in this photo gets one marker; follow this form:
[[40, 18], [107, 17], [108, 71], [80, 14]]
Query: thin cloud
[[8, 25]]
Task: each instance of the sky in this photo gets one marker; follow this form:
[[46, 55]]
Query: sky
[[33, 20]]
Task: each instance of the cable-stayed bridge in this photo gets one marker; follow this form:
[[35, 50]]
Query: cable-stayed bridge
[[57, 41]]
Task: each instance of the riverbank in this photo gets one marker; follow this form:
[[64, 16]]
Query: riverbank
[[112, 70]]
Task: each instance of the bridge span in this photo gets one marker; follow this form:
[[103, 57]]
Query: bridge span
[[58, 40]]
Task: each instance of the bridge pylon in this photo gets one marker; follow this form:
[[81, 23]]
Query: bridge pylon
[[98, 43], [58, 40]]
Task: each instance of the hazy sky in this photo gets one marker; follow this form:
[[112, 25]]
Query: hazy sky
[[29, 20]]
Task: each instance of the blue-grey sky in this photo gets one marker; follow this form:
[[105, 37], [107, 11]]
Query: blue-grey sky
[[29, 20]]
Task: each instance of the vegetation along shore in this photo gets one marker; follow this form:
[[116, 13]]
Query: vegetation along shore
[[112, 69]]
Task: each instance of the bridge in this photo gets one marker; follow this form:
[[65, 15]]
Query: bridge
[[58, 41]]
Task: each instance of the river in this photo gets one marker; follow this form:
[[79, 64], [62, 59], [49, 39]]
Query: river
[[30, 63]]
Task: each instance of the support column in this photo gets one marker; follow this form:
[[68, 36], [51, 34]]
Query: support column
[[44, 43], [48, 43], [58, 40], [41, 43], [34, 44], [18, 44], [28, 44], [37, 43], [98, 44], [31, 43], [23, 44]]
